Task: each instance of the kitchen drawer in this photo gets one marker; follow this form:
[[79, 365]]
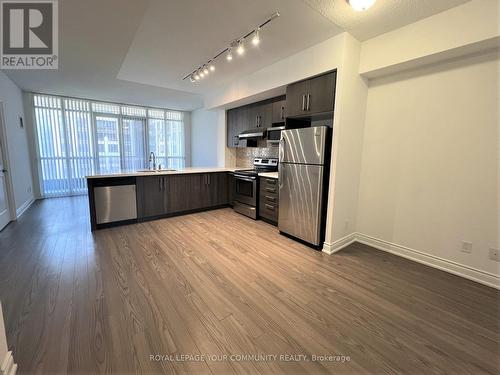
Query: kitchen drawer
[[268, 199], [268, 211], [268, 186]]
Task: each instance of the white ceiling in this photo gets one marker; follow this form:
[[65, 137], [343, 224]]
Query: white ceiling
[[177, 36], [137, 52], [383, 16]]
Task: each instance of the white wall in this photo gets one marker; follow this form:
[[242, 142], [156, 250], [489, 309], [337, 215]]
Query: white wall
[[349, 121], [429, 177], [17, 143], [461, 30], [208, 138]]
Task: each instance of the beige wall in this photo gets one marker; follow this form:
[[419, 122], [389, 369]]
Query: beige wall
[[429, 177]]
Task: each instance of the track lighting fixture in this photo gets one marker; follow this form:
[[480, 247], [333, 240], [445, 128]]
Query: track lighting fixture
[[241, 48], [256, 37], [238, 45]]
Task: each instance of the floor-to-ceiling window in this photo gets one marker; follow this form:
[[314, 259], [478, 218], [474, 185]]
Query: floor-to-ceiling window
[[76, 138]]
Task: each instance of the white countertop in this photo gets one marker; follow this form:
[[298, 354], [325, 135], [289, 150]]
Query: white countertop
[[162, 173], [269, 175]]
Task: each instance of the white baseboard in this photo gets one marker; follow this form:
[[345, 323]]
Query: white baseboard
[[21, 210], [335, 246], [467, 272], [8, 367]]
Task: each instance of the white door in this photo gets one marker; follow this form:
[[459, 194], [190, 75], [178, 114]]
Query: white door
[[4, 201]]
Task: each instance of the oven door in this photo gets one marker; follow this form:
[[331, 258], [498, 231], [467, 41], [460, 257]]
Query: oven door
[[245, 190]]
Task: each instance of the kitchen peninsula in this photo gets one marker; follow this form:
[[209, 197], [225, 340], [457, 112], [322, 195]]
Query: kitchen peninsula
[[130, 197]]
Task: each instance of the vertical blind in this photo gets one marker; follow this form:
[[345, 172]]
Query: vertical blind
[[76, 138]]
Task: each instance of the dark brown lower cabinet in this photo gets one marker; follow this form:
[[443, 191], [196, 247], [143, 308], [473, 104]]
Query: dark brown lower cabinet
[[150, 192], [268, 200], [173, 194]]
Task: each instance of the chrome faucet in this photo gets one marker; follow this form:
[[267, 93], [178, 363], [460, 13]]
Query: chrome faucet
[[152, 158]]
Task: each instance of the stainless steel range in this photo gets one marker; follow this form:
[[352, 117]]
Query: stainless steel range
[[246, 186]]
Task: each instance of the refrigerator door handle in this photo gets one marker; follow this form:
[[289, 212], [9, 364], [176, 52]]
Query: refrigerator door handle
[[281, 151]]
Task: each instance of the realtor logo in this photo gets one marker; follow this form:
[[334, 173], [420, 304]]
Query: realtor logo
[[29, 34]]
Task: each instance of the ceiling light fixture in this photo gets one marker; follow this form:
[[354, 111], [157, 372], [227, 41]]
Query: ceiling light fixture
[[241, 48], [202, 70], [360, 5], [256, 37]]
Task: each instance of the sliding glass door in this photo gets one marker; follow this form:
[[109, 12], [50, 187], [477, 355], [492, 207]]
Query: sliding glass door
[[134, 149], [108, 143], [76, 138]]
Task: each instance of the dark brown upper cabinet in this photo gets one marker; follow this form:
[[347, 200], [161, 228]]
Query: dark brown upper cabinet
[[312, 96], [279, 108], [256, 115]]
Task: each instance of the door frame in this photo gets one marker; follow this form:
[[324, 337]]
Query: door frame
[[5, 157]]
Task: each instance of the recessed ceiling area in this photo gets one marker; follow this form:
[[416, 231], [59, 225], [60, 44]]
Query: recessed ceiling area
[[383, 16], [177, 36], [137, 52]]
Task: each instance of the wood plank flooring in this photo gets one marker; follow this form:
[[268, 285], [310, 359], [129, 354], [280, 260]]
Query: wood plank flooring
[[219, 284]]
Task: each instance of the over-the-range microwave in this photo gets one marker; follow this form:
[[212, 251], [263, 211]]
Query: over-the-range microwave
[[274, 134]]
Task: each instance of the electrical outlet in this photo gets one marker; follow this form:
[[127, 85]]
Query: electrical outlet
[[466, 247], [494, 254]]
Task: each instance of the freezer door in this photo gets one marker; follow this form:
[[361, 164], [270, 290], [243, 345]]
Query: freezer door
[[300, 197], [304, 146]]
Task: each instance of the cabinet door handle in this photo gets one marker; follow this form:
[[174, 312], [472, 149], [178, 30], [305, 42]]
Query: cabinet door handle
[[282, 113], [159, 183], [257, 121], [308, 105], [260, 121], [303, 102]]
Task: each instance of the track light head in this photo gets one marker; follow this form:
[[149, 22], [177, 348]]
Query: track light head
[[229, 55], [256, 37], [212, 67], [205, 70], [241, 48]]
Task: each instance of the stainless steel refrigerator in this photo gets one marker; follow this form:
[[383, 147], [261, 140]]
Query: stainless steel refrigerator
[[304, 159]]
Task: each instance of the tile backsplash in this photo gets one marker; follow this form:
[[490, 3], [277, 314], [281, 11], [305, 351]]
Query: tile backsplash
[[245, 155]]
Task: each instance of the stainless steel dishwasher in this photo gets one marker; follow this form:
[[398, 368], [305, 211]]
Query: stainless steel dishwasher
[[115, 202]]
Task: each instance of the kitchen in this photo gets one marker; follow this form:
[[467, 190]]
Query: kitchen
[[275, 186], [291, 129]]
